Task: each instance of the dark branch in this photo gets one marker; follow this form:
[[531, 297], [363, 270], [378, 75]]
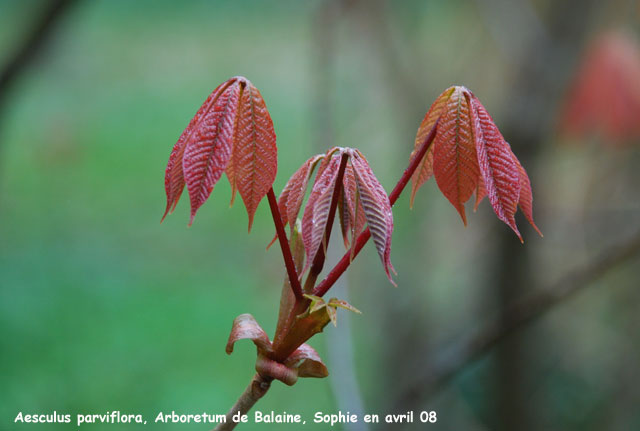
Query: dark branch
[[36, 38], [257, 388], [522, 312], [294, 281]]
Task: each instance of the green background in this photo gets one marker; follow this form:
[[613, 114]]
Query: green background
[[103, 308]]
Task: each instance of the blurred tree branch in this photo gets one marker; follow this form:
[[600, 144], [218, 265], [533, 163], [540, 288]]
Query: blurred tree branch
[[35, 39], [514, 317], [542, 47]]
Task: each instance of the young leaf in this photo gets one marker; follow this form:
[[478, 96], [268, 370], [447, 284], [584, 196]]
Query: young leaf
[[254, 162], [318, 306], [356, 218], [316, 213], [500, 174], [343, 213], [174, 177], [208, 150], [232, 131], [455, 163], [481, 192], [377, 209], [525, 200], [292, 195], [425, 169], [246, 327], [339, 303], [469, 155], [308, 362]]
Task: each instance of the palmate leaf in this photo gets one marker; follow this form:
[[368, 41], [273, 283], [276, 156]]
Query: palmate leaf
[[469, 155], [208, 151], [361, 200], [203, 128], [233, 132], [174, 177]]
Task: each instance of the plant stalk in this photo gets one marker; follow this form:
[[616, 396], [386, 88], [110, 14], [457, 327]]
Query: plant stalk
[[362, 239], [294, 282], [257, 388], [260, 385]]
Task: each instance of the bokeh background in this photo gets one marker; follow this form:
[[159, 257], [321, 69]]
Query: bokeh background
[[103, 308]]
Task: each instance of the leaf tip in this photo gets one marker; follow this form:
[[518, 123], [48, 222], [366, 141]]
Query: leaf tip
[[519, 236], [393, 283], [537, 230], [412, 198], [233, 191], [171, 206], [275, 237]]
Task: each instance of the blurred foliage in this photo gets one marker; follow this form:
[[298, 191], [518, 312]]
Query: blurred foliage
[[102, 308]]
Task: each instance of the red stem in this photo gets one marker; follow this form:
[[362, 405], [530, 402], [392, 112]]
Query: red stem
[[284, 246], [318, 261], [362, 239]]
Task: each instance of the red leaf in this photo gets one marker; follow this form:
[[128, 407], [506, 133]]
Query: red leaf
[[481, 192], [469, 155], [425, 169], [269, 368], [208, 150], [246, 327], [455, 163], [174, 178], [254, 160], [316, 213], [292, 195], [377, 209], [343, 213], [526, 197], [499, 171], [354, 211], [308, 362], [232, 131], [605, 95]]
